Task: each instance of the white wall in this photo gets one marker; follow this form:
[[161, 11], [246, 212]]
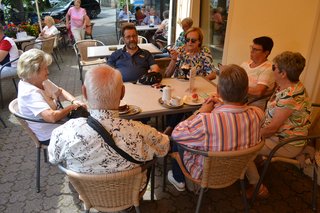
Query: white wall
[[293, 25]]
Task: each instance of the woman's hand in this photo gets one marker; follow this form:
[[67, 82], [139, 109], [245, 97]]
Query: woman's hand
[[174, 54]]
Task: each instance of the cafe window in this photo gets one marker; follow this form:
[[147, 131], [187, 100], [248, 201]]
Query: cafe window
[[214, 24]]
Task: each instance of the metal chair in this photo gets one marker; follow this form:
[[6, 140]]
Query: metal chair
[[220, 169], [111, 191], [8, 73], [141, 40], [46, 45], [80, 49], [13, 107], [311, 140]]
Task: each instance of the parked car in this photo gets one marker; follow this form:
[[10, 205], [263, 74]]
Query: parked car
[[60, 10]]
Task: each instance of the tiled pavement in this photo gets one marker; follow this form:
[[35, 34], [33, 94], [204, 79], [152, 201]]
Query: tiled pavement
[[290, 190]]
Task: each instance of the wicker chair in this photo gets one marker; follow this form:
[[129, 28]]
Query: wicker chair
[[80, 49], [311, 140], [220, 170], [46, 45], [113, 191], [13, 107]]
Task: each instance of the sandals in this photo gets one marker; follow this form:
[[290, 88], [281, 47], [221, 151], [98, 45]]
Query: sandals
[[262, 194]]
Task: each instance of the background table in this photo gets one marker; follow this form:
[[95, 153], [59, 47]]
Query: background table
[[25, 39], [146, 27], [104, 51]]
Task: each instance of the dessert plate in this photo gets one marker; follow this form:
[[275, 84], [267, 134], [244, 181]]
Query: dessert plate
[[188, 100], [132, 110]]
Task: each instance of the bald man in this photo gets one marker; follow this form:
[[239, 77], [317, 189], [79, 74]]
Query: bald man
[[80, 146]]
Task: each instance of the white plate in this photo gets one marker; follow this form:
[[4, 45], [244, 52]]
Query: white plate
[[188, 100]]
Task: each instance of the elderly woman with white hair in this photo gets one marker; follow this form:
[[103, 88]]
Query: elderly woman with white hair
[[37, 95]]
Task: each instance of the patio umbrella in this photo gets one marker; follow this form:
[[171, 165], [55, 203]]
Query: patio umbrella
[[127, 1], [39, 17]]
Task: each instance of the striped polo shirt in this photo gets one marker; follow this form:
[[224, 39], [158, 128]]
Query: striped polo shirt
[[226, 128]]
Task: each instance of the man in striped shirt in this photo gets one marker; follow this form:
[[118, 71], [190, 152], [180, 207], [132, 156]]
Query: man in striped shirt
[[218, 126]]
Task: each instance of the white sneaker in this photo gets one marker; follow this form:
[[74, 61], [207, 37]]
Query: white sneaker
[[179, 186]]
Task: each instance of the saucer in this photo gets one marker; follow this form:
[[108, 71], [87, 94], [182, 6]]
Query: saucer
[[169, 105]]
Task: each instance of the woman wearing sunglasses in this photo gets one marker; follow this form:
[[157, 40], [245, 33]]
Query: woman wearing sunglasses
[[191, 54]]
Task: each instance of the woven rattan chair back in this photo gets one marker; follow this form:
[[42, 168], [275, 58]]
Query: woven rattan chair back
[[48, 45], [80, 48], [110, 192], [221, 169]]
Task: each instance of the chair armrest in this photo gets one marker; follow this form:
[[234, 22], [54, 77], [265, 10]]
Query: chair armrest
[[38, 120], [9, 62], [284, 142], [186, 148]]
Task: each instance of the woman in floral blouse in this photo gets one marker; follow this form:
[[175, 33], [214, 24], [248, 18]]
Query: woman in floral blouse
[[287, 113], [192, 54]]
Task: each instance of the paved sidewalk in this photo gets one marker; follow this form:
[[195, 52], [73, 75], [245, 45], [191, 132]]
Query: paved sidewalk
[[290, 189]]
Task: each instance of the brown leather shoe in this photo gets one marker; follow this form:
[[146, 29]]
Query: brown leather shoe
[[262, 193]]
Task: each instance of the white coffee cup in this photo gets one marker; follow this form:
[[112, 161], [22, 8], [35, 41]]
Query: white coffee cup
[[166, 94], [175, 101]]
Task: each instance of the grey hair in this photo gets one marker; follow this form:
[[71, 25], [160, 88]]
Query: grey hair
[[233, 83], [29, 63], [103, 86], [187, 21], [292, 63]]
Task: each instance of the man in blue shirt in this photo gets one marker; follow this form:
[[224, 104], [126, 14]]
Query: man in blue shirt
[[132, 61]]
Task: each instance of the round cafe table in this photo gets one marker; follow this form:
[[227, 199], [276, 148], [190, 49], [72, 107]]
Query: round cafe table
[[24, 39]]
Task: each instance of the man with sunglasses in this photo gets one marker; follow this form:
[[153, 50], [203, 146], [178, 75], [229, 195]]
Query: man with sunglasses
[[191, 54], [259, 70], [132, 61]]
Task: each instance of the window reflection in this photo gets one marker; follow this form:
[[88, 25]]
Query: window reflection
[[218, 21]]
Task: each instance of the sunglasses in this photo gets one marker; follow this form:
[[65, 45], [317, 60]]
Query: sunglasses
[[274, 67], [193, 40]]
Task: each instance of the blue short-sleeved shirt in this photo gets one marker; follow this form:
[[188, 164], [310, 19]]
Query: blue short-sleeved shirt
[[132, 67]]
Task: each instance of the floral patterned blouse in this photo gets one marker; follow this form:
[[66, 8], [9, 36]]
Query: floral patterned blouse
[[296, 99], [83, 149], [203, 61]]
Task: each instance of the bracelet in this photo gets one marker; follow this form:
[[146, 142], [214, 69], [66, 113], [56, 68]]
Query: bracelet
[[73, 101]]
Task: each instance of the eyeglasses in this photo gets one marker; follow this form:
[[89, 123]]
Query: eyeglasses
[[255, 49], [132, 36], [193, 40]]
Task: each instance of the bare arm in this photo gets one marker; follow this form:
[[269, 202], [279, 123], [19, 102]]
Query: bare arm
[[172, 65], [53, 116], [3, 54], [258, 91], [280, 116]]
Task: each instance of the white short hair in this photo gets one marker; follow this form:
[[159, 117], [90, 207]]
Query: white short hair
[[29, 63], [103, 86]]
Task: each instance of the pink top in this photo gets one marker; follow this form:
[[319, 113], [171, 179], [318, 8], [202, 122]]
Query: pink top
[[76, 17]]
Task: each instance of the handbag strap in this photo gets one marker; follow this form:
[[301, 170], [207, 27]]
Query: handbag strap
[[96, 125]]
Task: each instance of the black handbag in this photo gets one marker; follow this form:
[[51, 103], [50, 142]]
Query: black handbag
[[150, 78], [96, 125], [79, 112]]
